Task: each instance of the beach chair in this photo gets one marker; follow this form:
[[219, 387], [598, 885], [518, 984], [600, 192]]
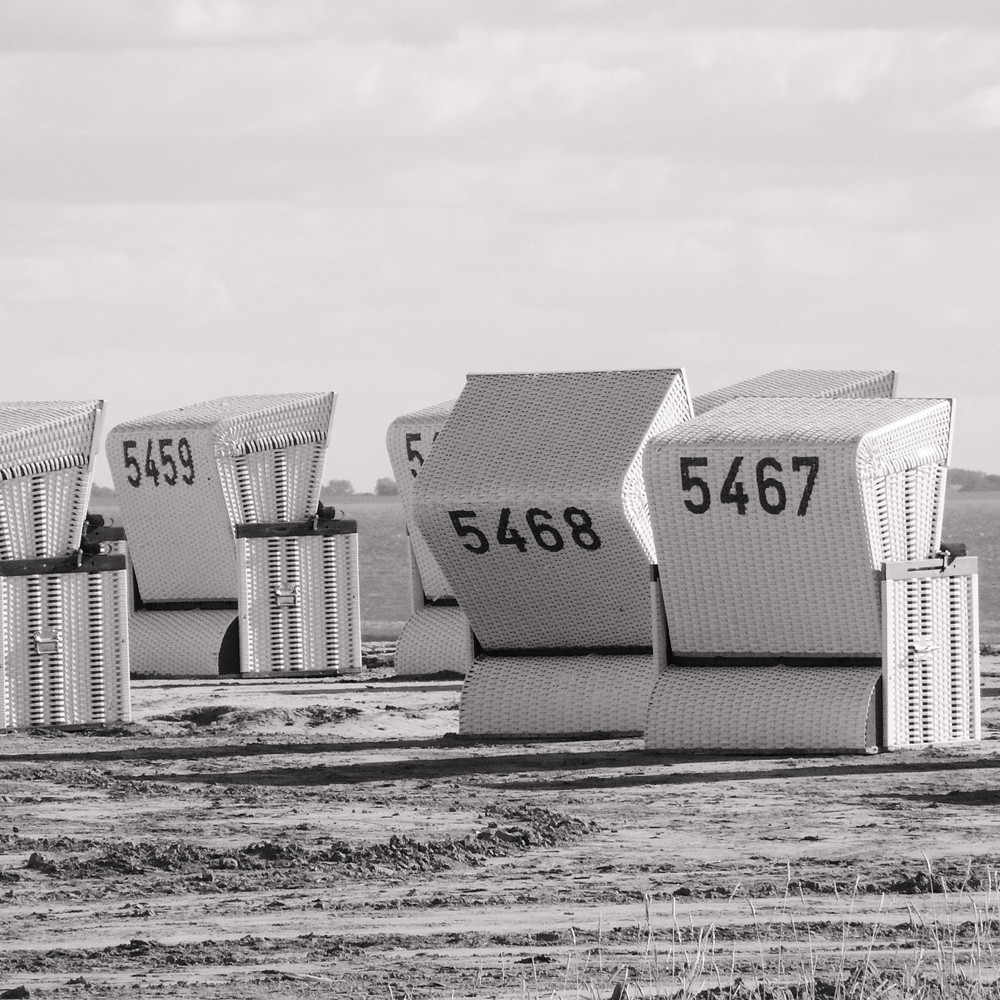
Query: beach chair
[[532, 502], [437, 636], [208, 494], [788, 522], [63, 613]]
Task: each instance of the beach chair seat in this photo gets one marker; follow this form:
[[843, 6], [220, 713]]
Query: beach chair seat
[[437, 637], [300, 607], [777, 517], [533, 504], [65, 657], [186, 479]]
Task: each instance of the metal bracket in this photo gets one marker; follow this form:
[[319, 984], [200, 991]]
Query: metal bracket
[[46, 640], [285, 597]]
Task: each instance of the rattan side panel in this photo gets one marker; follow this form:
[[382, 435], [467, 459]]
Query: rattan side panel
[[300, 604], [556, 695], [178, 643], [281, 484], [537, 464], [931, 659], [408, 441], [803, 382], [65, 649], [823, 486], [759, 709], [435, 640]]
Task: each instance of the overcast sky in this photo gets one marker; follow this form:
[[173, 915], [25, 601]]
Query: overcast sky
[[201, 198]]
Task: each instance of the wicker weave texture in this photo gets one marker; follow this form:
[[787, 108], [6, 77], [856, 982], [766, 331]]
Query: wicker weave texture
[[530, 471], [752, 708], [300, 607], [435, 640], [780, 554], [46, 454], [556, 695], [65, 648], [826, 384], [178, 643], [217, 464], [409, 440], [931, 659]]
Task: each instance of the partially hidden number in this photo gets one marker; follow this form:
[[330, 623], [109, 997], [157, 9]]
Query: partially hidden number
[[412, 455], [544, 533], [161, 462], [772, 493]]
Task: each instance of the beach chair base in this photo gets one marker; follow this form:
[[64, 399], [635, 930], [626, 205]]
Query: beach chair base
[[195, 642], [299, 597], [756, 709], [931, 652], [65, 648], [436, 639], [542, 695]]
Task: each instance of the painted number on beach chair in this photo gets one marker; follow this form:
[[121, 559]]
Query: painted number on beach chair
[[160, 463], [546, 536], [771, 492], [412, 455]]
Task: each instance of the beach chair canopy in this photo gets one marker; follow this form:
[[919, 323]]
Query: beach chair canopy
[[46, 457], [533, 504], [774, 517], [409, 440], [186, 477]]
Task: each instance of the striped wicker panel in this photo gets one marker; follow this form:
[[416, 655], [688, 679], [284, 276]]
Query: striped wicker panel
[[181, 643], [217, 464], [65, 645], [802, 382], [753, 708], [931, 659], [531, 471], [409, 440], [786, 568], [435, 639], [300, 607], [556, 695], [46, 454]]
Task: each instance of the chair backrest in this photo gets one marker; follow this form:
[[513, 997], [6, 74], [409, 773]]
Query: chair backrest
[[533, 504], [820, 383], [409, 440], [46, 463], [186, 477], [773, 517]]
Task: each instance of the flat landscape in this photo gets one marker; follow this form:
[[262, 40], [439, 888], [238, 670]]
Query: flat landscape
[[326, 837]]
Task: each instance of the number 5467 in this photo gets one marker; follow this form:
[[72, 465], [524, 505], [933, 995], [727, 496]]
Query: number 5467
[[771, 492]]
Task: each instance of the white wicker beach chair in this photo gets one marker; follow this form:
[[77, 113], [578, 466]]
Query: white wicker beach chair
[[63, 617], [777, 517], [437, 637], [533, 504], [188, 479]]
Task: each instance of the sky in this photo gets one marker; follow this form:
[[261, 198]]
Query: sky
[[201, 198]]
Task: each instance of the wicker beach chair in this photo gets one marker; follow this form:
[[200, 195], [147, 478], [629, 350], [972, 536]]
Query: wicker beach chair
[[63, 611], [208, 493], [780, 517], [437, 636], [533, 505]]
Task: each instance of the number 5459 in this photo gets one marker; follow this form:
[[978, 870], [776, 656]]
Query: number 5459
[[160, 462]]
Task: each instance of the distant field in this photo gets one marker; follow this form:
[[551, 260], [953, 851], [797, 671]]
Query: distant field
[[974, 518]]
